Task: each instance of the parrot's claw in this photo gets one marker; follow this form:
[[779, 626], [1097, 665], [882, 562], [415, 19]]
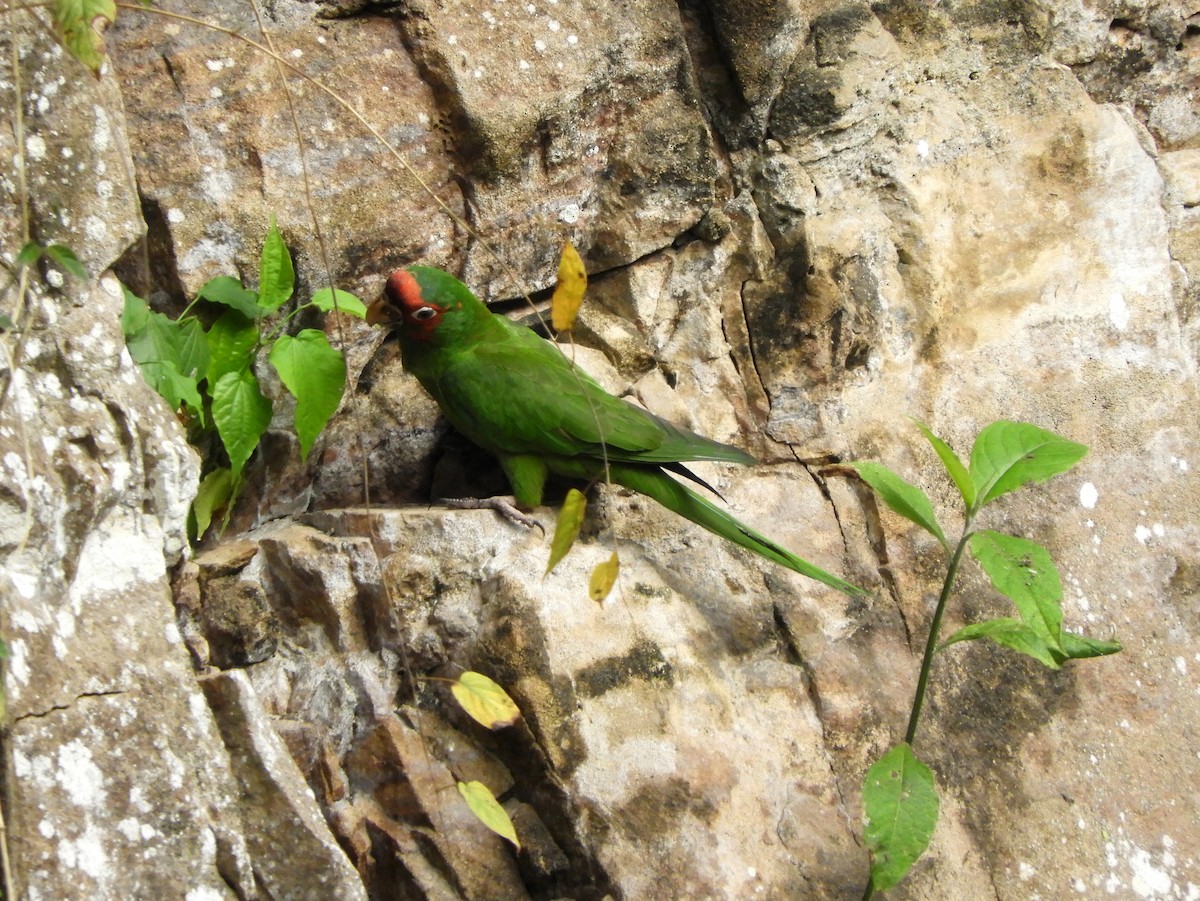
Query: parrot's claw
[[502, 505]]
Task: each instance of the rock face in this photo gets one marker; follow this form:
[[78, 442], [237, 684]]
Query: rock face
[[803, 221]]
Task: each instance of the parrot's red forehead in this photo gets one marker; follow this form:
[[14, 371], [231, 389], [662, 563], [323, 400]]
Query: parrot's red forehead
[[404, 290], [403, 303]]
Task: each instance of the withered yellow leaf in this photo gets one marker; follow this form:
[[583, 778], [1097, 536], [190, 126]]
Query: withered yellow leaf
[[566, 527], [569, 291], [485, 806], [604, 576], [485, 701]]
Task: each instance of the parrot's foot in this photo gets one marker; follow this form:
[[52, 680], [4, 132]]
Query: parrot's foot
[[502, 505]]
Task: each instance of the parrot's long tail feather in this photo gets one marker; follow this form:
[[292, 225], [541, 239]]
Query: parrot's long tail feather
[[680, 470], [653, 482]]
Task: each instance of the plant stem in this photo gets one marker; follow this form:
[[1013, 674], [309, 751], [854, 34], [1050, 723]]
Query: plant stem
[[935, 628]]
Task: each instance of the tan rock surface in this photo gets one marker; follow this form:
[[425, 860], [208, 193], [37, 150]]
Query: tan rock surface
[[804, 221]]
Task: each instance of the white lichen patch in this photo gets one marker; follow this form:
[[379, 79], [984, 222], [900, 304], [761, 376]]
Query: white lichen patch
[[137, 799], [25, 620], [1144, 533], [130, 828], [87, 854], [207, 252], [25, 583], [18, 662], [1145, 874], [35, 148], [64, 621], [216, 185], [204, 893], [79, 776], [1088, 495], [115, 557], [1118, 312], [198, 707], [95, 229], [49, 385], [102, 134], [1149, 880], [175, 769]]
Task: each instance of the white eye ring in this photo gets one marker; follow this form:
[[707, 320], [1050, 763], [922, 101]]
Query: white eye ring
[[424, 314]]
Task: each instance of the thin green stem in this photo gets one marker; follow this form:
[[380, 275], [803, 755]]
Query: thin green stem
[[935, 628], [931, 644]]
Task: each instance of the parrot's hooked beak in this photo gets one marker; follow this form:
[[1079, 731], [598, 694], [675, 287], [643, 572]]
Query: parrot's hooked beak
[[379, 312], [400, 295]]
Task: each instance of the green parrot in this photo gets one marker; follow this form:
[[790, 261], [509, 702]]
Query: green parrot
[[517, 396]]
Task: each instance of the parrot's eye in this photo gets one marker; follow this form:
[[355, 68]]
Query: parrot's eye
[[424, 314]]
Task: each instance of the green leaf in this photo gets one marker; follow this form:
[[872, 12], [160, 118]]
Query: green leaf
[[901, 806], [566, 527], [276, 277], [228, 291], [215, 491], [604, 576], [346, 302], [1010, 633], [191, 348], [231, 342], [315, 373], [241, 415], [135, 314], [65, 257], [157, 341], [903, 497], [175, 387], [78, 23], [954, 466], [485, 701], [1022, 571], [485, 806], [6, 323], [1008, 455], [1080, 647], [29, 255], [161, 349]]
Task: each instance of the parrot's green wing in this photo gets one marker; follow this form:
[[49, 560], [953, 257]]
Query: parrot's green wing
[[520, 395]]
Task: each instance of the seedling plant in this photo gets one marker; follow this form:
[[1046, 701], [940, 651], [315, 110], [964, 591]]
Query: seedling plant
[[207, 373], [900, 799]]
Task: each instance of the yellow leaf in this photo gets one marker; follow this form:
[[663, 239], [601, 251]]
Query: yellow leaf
[[485, 701], [568, 293], [566, 527], [604, 576], [485, 806]]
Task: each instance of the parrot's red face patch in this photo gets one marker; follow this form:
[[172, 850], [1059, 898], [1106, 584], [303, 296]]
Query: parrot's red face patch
[[402, 300]]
